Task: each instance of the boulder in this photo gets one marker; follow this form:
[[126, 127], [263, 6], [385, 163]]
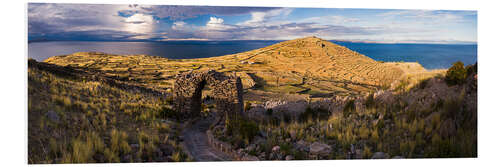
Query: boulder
[[380, 155], [318, 148], [276, 149], [52, 115], [301, 145], [250, 158]]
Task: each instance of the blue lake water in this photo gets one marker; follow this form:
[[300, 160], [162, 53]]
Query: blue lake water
[[431, 56]]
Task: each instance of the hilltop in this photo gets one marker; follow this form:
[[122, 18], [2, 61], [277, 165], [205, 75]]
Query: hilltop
[[305, 67]]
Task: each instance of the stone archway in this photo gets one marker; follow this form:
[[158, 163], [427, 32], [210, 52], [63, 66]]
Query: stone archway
[[227, 92]]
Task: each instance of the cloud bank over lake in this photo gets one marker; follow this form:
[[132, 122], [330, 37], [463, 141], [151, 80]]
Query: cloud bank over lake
[[99, 22]]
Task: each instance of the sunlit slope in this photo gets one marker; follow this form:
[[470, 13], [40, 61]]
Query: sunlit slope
[[302, 66]]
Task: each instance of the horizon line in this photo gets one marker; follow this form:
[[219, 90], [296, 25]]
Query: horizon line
[[227, 40]]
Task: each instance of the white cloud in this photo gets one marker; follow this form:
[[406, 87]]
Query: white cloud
[[271, 17], [179, 25], [215, 20], [217, 24], [139, 23]]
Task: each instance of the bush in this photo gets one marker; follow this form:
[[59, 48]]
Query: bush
[[248, 129], [456, 74], [471, 69], [370, 101], [348, 108], [314, 114], [269, 111]]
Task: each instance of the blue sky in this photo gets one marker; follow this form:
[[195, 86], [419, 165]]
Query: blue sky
[[162, 23]]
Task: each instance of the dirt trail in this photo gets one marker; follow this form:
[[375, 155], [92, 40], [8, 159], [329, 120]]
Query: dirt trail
[[196, 143]]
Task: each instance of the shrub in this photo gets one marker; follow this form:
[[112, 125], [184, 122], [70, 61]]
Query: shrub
[[456, 74], [269, 111], [370, 101], [422, 84], [471, 69], [367, 153], [178, 156], [314, 114], [111, 156], [82, 153], [349, 106], [247, 129], [248, 105], [119, 142], [364, 132]]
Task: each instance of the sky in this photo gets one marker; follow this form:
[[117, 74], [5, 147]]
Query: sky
[[105, 22]]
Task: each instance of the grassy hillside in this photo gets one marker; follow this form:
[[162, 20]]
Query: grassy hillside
[[307, 66], [76, 119], [428, 120]]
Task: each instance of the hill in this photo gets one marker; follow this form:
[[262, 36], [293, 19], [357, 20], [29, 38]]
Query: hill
[[305, 67]]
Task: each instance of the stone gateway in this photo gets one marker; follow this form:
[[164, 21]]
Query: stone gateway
[[227, 92]]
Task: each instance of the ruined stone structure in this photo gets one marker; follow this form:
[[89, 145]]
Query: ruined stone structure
[[227, 92]]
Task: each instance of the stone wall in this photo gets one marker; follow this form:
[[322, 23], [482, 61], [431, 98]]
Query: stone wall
[[227, 92]]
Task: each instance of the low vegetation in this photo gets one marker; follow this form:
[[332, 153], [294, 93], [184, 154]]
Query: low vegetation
[[409, 124], [90, 121]]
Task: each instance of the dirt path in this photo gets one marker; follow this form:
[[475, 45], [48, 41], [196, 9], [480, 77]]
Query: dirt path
[[196, 143]]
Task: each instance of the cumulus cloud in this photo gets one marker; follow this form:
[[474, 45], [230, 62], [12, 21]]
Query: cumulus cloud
[[139, 23], [178, 25], [267, 17]]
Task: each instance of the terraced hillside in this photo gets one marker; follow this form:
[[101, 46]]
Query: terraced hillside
[[300, 67]]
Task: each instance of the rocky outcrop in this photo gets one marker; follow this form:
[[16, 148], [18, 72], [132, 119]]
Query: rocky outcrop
[[318, 148]]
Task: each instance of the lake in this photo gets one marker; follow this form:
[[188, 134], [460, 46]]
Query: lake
[[431, 56]]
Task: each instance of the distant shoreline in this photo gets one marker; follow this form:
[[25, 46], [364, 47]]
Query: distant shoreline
[[187, 41]]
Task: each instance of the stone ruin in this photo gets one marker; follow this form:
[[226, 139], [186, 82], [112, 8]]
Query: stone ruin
[[227, 92]]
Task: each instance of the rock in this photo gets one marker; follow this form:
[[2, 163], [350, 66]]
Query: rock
[[302, 146], [359, 154], [397, 157], [319, 149], [250, 158], [52, 115], [250, 147], [276, 149], [275, 156], [380, 155], [159, 152], [240, 151], [126, 158], [165, 148], [289, 157], [134, 146], [263, 133], [262, 155], [293, 135]]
